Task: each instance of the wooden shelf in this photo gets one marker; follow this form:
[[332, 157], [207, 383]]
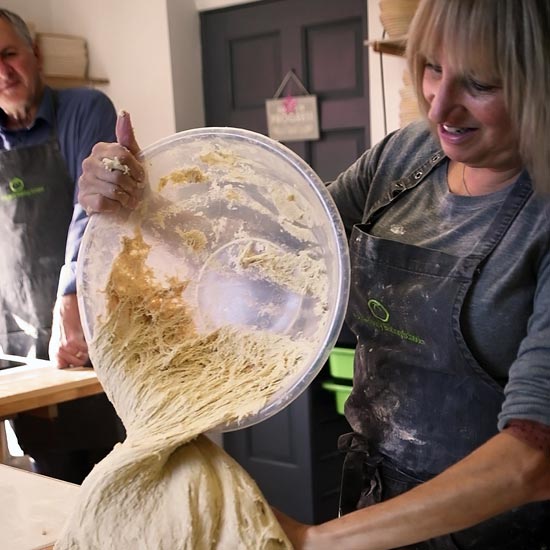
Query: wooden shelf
[[395, 46], [71, 82]]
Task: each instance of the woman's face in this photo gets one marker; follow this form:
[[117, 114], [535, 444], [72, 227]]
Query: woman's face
[[470, 116]]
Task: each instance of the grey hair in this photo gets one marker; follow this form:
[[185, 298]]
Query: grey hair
[[19, 25]]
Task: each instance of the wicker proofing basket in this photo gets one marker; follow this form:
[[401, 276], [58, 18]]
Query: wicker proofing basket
[[396, 16]]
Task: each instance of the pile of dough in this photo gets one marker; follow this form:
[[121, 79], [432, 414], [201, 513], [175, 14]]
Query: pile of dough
[[167, 486]]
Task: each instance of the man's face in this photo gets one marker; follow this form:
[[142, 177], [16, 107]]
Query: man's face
[[20, 79]]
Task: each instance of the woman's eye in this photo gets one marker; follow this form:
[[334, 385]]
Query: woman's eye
[[481, 86], [433, 67]]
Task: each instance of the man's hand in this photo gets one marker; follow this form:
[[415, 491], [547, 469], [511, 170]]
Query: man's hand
[[112, 178], [68, 347]]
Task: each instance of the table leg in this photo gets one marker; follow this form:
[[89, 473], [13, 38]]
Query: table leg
[[4, 452]]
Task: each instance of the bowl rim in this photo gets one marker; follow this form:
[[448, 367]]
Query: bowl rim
[[340, 286]]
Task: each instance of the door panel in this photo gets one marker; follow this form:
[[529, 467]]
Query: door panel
[[251, 79]]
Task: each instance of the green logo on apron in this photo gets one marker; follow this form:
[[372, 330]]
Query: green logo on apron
[[378, 310], [17, 190], [379, 321], [17, 185]]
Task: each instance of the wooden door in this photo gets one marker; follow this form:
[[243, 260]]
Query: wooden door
[[247, 51]]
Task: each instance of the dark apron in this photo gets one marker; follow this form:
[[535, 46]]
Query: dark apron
[[36, 206], [35, 212], [420, 401]]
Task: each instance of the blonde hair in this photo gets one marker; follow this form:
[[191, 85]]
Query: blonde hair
[[503, 41]]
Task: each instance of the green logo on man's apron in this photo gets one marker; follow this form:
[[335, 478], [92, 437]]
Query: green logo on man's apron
[[17, 190]]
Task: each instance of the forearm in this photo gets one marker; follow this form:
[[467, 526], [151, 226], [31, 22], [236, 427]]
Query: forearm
[[500, 475], [67, 344]]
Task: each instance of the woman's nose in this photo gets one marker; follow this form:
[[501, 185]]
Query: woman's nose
[[444, 100]]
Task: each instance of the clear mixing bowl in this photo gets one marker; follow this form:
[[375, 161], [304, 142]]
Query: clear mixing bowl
[[218, 202]]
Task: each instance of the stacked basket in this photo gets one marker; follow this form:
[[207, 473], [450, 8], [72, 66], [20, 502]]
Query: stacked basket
[[63, 55], [396, 16], [341, 369]]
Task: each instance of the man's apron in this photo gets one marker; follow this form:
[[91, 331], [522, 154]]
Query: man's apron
[[35, 212], [420, 401], [36, 206]]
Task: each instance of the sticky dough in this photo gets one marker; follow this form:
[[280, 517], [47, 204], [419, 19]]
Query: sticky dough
[[167, 486]]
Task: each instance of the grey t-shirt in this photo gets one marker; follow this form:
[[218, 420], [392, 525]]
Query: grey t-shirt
[[430, 216], [506, 315]]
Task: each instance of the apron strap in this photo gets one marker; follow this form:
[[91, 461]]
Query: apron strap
[[360, 475]]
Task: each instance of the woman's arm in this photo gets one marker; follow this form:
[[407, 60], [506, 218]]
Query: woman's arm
[[502, 474]]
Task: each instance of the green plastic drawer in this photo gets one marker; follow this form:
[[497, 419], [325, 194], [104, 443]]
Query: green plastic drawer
[[341, 363], [341, 393]]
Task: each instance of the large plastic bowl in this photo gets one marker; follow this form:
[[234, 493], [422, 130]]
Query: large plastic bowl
[[249, 194]]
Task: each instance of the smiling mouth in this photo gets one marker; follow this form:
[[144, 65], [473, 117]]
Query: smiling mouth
[[456, 130]]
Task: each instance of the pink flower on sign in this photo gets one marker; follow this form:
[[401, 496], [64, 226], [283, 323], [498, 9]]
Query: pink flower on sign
[[290, 105]]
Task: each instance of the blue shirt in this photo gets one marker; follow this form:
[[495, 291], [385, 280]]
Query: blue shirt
[[84, 117]]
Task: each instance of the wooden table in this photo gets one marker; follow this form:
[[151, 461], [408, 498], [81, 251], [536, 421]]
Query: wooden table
[[38, 386], [34, 509]]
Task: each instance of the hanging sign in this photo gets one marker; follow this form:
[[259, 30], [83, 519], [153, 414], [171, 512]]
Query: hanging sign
[[292, 118]]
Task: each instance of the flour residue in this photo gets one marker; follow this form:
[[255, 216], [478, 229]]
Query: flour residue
[[184, 175], [301, 273]]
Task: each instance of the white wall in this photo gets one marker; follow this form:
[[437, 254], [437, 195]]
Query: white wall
[[203, 5], [31, 11], [150, 52], [184, 30], [128, 43]]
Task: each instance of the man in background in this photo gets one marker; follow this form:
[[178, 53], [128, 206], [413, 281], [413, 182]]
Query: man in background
[[44, 136]]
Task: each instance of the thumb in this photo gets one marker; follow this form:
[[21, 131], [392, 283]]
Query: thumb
[[125, 133]]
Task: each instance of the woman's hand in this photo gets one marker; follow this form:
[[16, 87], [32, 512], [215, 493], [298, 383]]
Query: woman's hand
[[296, 532], [112, 178], [505, 472]]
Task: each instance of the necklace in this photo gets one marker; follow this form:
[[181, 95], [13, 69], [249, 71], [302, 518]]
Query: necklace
[[464, 181]]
